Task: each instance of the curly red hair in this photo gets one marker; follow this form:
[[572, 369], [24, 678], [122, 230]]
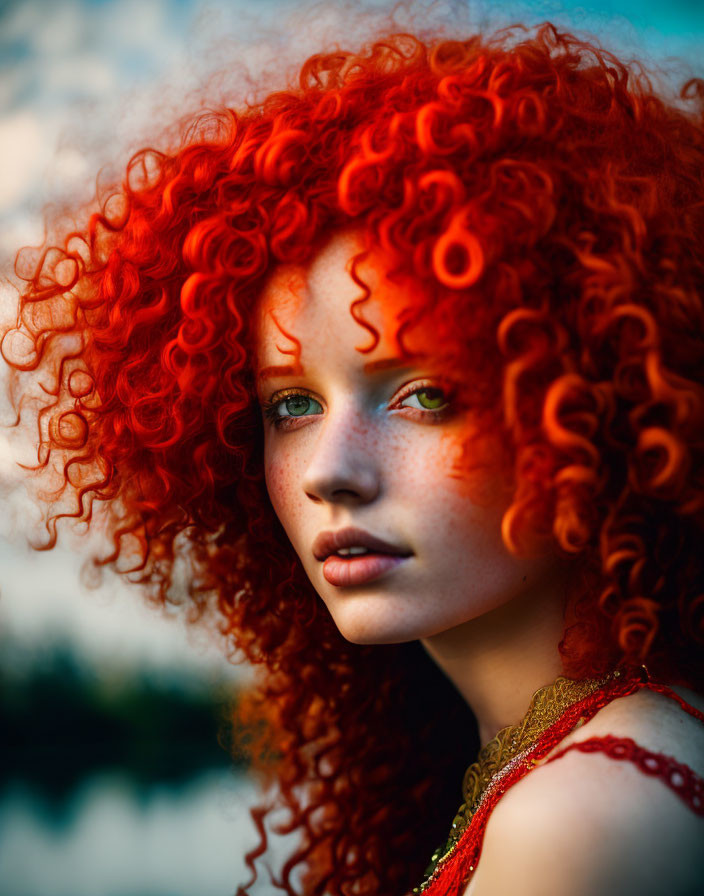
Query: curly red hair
[[553, 205]]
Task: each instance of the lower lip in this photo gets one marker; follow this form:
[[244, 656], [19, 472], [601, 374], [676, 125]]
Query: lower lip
[[358, 570]]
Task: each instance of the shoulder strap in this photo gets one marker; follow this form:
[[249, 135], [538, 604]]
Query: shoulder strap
[[668, 692], [687, 784]]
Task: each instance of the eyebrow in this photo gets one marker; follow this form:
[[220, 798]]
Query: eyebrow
[[370, 367], [280, 370], [391, 363]]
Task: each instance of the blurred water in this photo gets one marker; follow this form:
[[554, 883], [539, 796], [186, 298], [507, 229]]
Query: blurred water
[[110, 840]]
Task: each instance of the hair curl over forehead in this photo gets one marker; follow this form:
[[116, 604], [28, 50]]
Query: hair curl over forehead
[[551, 204]]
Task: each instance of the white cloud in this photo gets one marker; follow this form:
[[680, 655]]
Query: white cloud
[[21, 151], [86, 73], [59, 28]]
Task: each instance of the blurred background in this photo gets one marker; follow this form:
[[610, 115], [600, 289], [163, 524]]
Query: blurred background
[[113, 779]]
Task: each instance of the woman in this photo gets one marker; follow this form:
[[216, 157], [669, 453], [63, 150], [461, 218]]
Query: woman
[[405, 364]]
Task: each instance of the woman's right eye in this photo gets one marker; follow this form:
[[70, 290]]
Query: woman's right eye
[[283, 408]]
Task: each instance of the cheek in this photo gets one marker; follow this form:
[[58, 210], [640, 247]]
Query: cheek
[[426, 462], [455, 509], [283, 482], [278, 472]]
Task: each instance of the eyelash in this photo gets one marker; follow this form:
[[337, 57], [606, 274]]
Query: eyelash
[[270, 407]]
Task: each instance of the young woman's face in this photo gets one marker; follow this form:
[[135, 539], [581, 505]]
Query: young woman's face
[[359, 454]]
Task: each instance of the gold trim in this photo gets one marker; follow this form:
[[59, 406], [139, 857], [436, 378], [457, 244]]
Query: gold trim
[[546, 706]]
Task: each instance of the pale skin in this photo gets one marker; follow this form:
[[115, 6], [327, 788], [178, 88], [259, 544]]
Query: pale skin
[[366, 444]]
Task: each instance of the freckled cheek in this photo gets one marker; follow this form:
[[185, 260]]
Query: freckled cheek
[[425, 462], [426, 471], [286, 504], [284, 475], [279, 471]]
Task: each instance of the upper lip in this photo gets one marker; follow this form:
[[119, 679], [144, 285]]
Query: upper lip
[[328, 542]]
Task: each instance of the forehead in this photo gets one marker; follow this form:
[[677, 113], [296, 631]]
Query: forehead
[[343, 295]]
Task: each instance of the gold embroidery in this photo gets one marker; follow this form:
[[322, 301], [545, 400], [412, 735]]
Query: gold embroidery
[[504, 751]]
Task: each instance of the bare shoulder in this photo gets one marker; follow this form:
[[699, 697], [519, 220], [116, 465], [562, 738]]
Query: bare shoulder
[[588, 824], [654, 721]]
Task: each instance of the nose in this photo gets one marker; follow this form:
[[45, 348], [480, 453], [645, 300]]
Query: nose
[[344, 467]]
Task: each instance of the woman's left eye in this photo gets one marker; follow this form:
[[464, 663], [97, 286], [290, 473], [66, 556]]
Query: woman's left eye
[[426, 398]]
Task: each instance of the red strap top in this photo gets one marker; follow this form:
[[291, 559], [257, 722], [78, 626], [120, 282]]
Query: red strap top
[[679, 777], [453, 875]]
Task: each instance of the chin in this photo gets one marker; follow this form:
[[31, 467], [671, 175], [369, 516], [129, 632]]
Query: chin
[[369, 637], [364, 626]]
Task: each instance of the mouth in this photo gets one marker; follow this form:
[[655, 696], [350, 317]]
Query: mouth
[[354, 556]]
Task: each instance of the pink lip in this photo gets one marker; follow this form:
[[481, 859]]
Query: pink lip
[[329, 542], [344, 571]]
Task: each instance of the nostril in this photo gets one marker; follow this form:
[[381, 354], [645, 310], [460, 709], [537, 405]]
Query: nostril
[[335, 478]]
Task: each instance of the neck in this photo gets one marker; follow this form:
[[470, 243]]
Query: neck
[[498, 660]]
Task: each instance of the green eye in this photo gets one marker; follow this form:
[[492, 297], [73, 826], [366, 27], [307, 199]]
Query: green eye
[[430, 399], [289, 407], [300, 405]]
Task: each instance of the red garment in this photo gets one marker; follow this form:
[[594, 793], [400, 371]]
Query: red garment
[[686, 783], [452, 875]]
